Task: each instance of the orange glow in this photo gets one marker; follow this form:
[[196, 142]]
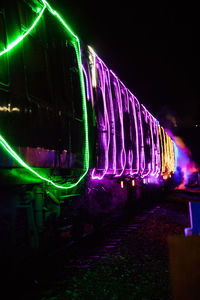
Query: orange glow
[[122, 184], [165, 176], [133, 182], [180, 143], [181, 186]]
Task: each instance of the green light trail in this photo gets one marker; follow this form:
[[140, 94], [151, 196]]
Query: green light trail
[[76, 44], [21, 37]]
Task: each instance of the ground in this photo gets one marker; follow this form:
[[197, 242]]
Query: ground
[[133, 265]]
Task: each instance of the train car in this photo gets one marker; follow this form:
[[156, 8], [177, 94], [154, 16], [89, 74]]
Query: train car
[[73, 138]]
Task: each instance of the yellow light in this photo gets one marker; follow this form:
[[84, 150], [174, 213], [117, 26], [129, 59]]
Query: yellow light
[[122, 184], [92, 63], [8, 108], [167, 154], [165, 176], [133, 182]]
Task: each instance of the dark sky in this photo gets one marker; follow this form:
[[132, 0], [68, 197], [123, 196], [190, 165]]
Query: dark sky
[[153, 49]]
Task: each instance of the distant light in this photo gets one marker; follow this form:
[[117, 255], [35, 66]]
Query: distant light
[[165, 176], [133, 182], [196, 125], [38, 9], [8, 108], [122, 184]]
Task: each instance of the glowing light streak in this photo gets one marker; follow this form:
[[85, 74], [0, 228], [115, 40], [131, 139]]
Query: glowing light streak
[[134, 103], [145, 173], [142, 154], [116, 152], [126, 109], [104, 84], [167, 153], [92, 62], [119, 101], [21, 37], [158, 162], [124, 98], [137, 140], [175, 155], [153, 147], [53, 12], [98, 176], [22, 163], [77, 47], [8, 108], [130, 158], [105, 138], [141, 144], [76, 43], [87, 83], [162, 150], [171, 155], [165, 149], [112, 125], [107, 125]]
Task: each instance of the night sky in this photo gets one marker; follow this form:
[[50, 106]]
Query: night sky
[[153, 49]]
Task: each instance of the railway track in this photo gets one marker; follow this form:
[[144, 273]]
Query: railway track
[[111, 241], [56, 269], [61, 265]]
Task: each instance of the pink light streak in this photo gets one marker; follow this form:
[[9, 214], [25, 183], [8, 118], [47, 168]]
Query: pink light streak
[[123, 152], [87, 83]]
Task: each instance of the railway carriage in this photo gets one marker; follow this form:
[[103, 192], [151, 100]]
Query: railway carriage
[[73, 138]]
